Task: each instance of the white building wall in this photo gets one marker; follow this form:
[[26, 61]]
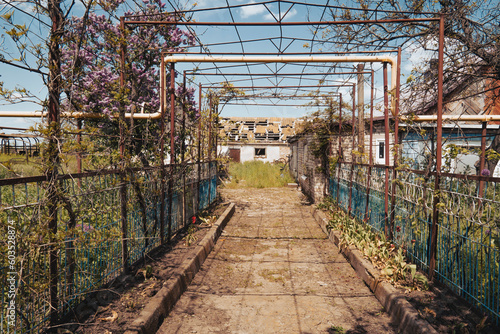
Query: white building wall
[[247, 152]]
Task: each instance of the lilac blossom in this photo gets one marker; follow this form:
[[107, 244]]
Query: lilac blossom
[[91, 66], [485, 172]]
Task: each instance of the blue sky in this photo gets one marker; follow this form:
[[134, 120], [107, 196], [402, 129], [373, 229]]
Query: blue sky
[[291, 41]]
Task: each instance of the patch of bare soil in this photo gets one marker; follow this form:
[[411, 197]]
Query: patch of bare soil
[[449, 313], [110, 309]]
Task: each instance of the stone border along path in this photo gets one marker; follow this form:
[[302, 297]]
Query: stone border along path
[[273, 271]]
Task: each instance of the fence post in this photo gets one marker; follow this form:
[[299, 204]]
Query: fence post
[[183, 134], [172, 151], [162, 149], [199, 148], [340, 149], [352, 145], [435, 211], [396, 141], [210, 149], [482, 160], [387, 227], [123, 178], [370, 152], [361, 108]]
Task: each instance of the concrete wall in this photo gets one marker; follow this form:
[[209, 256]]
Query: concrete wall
[[273, 151], [304, 167]]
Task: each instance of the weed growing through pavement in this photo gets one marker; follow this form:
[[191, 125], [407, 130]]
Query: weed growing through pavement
[[383, 254]]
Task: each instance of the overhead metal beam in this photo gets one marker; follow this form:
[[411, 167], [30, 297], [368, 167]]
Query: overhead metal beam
[[290, 59]]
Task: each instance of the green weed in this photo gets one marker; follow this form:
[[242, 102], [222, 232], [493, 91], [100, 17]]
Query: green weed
[[258, 174]]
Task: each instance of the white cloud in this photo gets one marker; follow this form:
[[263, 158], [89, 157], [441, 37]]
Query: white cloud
[[289, 15], [247, 11]]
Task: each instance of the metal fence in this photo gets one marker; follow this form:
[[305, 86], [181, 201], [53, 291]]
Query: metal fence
[[468, 223], [89, 242]]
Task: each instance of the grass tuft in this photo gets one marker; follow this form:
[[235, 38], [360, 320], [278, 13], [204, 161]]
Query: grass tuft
[[258, 174]]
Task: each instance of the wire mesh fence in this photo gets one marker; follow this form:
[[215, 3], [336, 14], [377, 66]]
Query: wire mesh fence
[[90, 233], [468, 248]]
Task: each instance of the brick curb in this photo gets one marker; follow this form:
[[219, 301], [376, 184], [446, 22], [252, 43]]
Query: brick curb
[[400, 310], [161, 304]]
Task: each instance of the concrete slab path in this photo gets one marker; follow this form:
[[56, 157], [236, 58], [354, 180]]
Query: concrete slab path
[[274, 271]]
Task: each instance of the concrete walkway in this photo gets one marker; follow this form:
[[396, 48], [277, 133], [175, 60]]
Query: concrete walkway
[[274, 271]]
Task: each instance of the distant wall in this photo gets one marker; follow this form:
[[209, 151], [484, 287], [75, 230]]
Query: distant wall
[[305, 168], [258, 151]]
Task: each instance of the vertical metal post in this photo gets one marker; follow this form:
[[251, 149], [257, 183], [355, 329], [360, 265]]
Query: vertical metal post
[[199, 146], [396, 139], [482, 160], [162, 149], [370, 152], [216, 135], [172, 151], [387, 229], [79, 152], [361, 109], [340, 149], [183, 142], [435, 211], [330, 129], [353, 145], [210, 148], [123, 178]]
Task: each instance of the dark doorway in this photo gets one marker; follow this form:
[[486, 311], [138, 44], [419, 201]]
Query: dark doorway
[[234, 154]]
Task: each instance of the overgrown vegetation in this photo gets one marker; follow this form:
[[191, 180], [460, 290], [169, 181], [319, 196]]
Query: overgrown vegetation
[[257, 174], [384, 255]]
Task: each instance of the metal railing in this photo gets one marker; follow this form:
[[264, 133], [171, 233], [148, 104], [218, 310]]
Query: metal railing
[[89, 237], [468, 229]]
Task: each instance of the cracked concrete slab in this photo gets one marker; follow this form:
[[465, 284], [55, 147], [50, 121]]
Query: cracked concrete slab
[[273, 270]]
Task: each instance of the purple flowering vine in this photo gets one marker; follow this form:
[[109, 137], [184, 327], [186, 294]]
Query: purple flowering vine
[[91, 60]]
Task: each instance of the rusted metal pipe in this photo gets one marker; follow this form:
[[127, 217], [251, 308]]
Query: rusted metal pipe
[[288, 59], [183, 139], [79, 152], [210, 147], [435, 211], [387, 228], [352, 146], [78, 115], [396, 142], [339, 160], [361, 109], [172, 151], [289, 86], [463, 118], [162, 151], [280, 23], [482, 159], [123, 178], [284, 74], [370, 158], [199, 145]]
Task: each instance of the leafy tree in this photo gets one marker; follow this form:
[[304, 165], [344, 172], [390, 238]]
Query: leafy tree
[[88, 61], [472, 49], [91, 67]]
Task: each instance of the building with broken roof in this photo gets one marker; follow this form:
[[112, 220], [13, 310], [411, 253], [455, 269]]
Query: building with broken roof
[[256, 138], [466, 94]]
